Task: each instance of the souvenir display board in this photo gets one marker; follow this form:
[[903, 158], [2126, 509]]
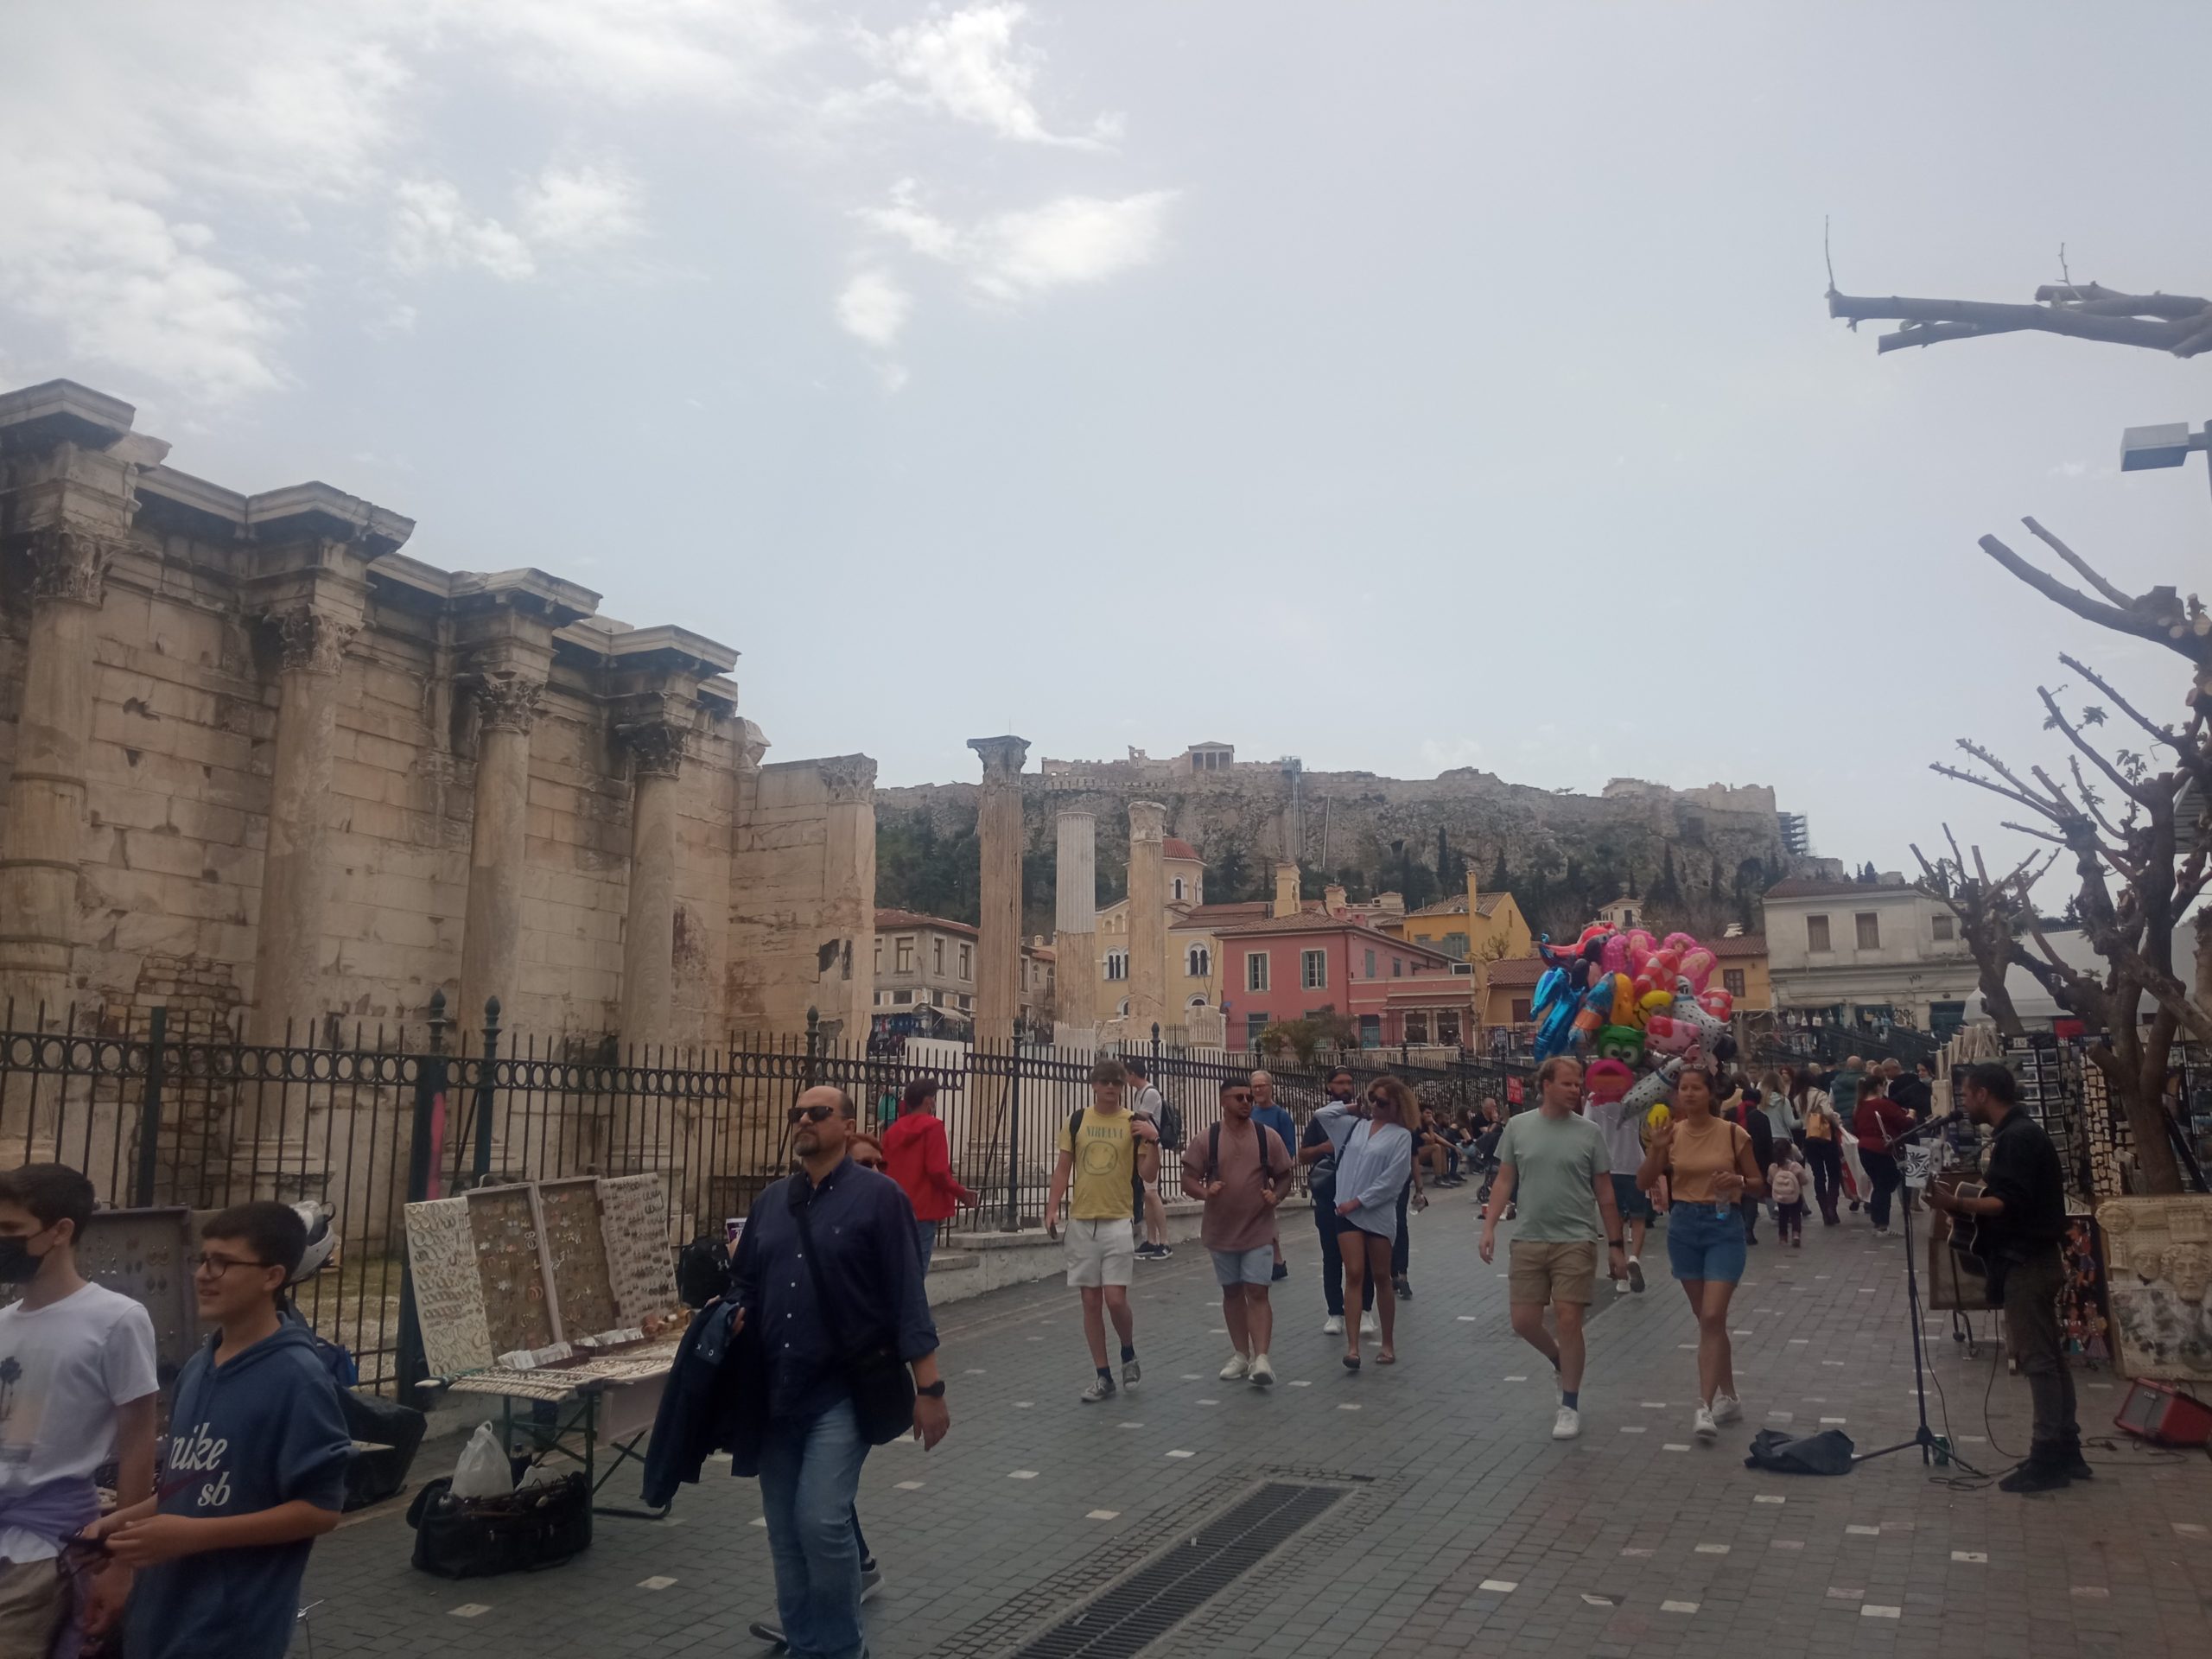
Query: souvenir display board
[[640, 1263], [576, 1256], [448, 1289], [2084, 1315], [510, 1267], [2048, 1073], [2158, 1280], [146, 1255]]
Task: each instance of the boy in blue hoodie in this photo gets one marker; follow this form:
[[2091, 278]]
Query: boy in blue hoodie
[[255, 1470]]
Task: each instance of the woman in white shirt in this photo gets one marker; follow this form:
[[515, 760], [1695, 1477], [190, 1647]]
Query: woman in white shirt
[[1376, 1162]]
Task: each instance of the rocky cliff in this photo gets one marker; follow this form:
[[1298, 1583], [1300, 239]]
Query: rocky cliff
[[1699, 858]]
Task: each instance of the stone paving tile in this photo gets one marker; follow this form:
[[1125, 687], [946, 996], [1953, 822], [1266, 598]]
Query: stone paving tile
[[1612, 1543]]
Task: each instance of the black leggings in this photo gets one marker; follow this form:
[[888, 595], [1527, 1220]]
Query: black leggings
[[1826, 1160], [1401, 1247], [1881, 1175]]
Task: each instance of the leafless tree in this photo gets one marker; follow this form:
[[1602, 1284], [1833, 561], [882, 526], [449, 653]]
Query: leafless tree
[[1990, 916], [2179, 323]]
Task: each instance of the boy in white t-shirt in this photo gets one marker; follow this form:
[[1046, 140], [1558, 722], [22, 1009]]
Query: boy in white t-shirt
[[77, 1389]]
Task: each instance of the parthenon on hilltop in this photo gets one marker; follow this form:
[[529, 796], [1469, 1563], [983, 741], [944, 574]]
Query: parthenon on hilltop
[[262, 766]]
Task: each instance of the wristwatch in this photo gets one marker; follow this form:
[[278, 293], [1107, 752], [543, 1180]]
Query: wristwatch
[[935, 1391]]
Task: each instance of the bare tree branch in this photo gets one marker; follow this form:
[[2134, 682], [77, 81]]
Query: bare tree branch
[[1965, 777], [2040, 835], [2119, 619], [2081, 566], [2162, 734], [2059, 720], [2160, 322]]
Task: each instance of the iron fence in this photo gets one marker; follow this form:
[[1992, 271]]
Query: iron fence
[[180, 1110]]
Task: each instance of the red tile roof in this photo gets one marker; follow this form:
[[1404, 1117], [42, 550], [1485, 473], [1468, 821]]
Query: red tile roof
[[1172, 848], [1516, 971], [895, 919], [1743, 944], [1310, 922]]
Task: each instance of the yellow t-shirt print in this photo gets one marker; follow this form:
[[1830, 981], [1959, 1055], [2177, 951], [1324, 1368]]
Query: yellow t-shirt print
[[1105, 1166]]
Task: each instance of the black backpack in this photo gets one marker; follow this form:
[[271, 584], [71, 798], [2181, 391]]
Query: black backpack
[[703, 1270], [1213, 1154], [1171, 1125]]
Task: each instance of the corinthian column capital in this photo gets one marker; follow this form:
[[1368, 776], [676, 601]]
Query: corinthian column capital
[[70, 564], [656, 746], [1003, 758], [311, 641], [508, 702], [848, 777]]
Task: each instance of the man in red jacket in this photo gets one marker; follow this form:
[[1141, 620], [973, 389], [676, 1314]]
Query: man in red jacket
[[916, 1156], [1879, 1123]]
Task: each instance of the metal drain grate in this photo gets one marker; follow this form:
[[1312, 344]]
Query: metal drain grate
[[1171, 1586]]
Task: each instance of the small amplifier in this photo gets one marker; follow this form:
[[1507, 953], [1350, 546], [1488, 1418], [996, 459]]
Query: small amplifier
[[2152, 1411]]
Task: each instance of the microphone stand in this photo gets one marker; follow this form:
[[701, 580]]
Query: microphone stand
[[1924, 1437]]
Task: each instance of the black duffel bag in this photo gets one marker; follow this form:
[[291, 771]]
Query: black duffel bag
[[480, 1537]]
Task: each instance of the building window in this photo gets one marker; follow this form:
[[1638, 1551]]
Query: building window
[[1123, 1011], [1117, 964], [1521, 1009], [965, 971], [1397, 967], [902, 998], [1313, 970], [937, 999], [937, 955], [1370, 964], [1943, 929], [1628, 918], [966, 1003], [1732, 980], [1447, 1027], [1255, 971], [1253, 1025], [1869, 929], [1416, 1027], [1179, 889], [1816, 933], [1198, 962], [1195, 1002], [879, 956], [1455, 945], [906, 959]]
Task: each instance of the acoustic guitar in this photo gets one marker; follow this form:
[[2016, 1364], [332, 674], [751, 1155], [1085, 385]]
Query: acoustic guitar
[[1969, 1233]]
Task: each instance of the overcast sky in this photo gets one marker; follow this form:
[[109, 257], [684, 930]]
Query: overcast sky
[[1399, 386]]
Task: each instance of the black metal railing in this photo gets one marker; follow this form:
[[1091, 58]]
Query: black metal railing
[[178, 1110]]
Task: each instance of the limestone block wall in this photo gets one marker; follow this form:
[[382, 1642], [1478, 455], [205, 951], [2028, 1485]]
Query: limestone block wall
[[803, 905]]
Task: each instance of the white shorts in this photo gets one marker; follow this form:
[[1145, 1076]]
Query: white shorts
[[1100, 1253]]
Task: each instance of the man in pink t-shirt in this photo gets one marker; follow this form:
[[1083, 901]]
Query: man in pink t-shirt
[[1242, 1171]]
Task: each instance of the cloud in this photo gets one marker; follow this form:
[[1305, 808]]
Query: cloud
[[577, 209], [1069, 241], [873, 308], [431, 230], [965, 64]]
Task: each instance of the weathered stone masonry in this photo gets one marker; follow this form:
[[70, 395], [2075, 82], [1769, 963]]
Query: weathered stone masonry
[[259, 762]]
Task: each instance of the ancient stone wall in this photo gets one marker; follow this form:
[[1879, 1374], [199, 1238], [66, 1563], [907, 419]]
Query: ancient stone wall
[[803, 916]]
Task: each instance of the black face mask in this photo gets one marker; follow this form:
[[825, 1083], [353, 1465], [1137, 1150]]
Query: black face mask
[[18, 1265]]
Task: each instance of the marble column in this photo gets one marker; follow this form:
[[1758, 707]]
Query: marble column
[[491, 950], [1147, 920], [297, 870], [42, 828], [1075, 938], [998, 947], [649, 930]]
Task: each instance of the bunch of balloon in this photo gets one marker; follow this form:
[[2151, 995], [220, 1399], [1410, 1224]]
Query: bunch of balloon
[[1625, 1002]]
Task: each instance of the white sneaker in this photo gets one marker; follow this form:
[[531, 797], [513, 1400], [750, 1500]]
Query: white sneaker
[[1703, 1429], [1620, 1287], [1368, 1324], [1567, 1425], [1727, 1409], [1334, 1325], [1262, 1373], [1237, 1370]]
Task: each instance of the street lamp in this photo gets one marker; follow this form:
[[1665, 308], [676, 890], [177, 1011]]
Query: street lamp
[[2144, 449]]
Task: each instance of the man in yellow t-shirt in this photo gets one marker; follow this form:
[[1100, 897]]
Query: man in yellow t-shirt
[[1103, 1149]]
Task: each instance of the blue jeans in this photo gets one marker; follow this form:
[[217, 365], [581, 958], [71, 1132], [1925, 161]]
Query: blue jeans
[[1706, 1244], [925, 1236], [810, 1475]]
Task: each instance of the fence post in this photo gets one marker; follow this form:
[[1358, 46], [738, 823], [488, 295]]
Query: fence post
[[482, 1161], [813, 1048], [1013, 1139], [430, 1087], [149, 1109]]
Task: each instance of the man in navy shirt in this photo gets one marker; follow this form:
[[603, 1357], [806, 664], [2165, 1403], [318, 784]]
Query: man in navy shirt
[[811, 1457]]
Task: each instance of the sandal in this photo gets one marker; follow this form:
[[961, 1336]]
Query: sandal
[[1351, 1362], [1387, 1357]]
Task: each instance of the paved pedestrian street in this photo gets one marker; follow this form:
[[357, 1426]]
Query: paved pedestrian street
[[1453, 1524]]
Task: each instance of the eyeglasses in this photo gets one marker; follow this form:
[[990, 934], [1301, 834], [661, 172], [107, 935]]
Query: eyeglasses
[[813, 1114], [216, 1265]]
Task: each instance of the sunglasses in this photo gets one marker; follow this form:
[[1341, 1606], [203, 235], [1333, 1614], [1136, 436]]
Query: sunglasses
[[813, 1114]]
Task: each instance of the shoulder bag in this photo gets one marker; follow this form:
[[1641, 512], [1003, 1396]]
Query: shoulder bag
[[882, 1388]]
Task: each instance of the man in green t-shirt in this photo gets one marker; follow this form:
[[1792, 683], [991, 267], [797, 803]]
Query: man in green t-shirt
[[1103, 1150], [1552, 1164]]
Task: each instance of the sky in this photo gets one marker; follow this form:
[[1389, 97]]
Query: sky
[[1399, 387]]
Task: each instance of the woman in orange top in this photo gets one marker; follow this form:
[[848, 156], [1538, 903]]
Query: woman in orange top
[[1709, 1163], [916, 1156]]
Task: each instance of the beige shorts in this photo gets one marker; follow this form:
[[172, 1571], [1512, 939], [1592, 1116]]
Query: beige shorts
[[1100, 1253], [31, 1605], [1548, 1272]]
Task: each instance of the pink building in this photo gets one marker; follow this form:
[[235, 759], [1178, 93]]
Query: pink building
[[1286, 967]]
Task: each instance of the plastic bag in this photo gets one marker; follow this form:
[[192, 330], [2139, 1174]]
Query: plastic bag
[[483, 1469]]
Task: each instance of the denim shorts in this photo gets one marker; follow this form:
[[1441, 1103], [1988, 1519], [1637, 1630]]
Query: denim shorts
[[1702, 1244]]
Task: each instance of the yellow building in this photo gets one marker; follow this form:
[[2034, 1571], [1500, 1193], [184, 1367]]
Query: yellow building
[[1474, 926], [1193, 973]]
